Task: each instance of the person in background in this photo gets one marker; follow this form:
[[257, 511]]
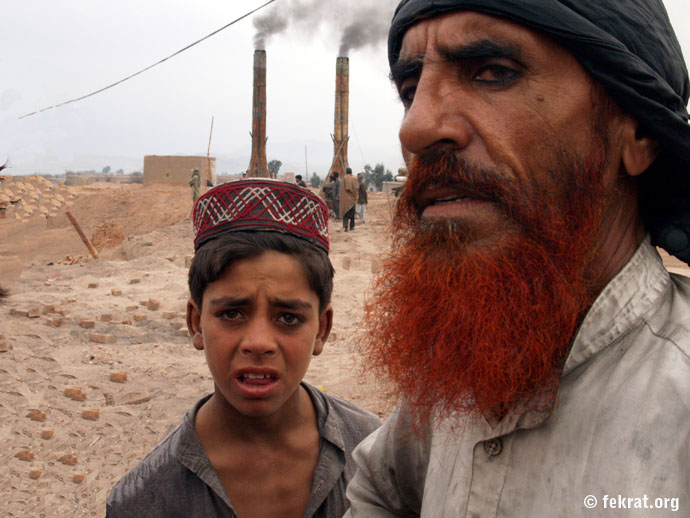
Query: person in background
[[195, 184], [348, 199], [299, 181], [362, 198]]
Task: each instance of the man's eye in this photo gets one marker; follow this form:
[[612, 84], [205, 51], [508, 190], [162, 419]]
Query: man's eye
[[407, 94], [496, 74]]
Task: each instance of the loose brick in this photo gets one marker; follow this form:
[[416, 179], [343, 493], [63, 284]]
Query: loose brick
[[106, 317], [90, 414], [48, 309], [68, 460], [118, 376], [35, 474], [4, 346], [126, 322], [47, 433], [19, 313], [101, 338], [93, 285], [75, 393], [134, 281], [138, 317], [131, 308], [25, 455], [116, 293], [36, 415], [34, 312], [153, 304], [78, 478], [169, 314], [87, 324], [109, 399], [56, 322]]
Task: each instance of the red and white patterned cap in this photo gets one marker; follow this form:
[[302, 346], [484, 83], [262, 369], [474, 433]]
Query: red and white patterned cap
[[261, 204]]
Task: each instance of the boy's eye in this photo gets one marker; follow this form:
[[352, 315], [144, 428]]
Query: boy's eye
[[230, 314], [289, 319], [406, 92]]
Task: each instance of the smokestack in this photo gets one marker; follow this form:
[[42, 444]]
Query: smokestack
[[258, 166], [340, 130]]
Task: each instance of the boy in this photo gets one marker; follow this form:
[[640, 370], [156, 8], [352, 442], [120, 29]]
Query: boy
[[264, 444]]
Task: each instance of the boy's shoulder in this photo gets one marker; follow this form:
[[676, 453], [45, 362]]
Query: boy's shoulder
[[162, 480], [341, 421]]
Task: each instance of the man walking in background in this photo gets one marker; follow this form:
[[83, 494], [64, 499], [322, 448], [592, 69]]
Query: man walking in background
[[348, 199], [362, 198]]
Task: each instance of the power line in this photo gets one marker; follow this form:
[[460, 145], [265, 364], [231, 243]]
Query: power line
[[150, 66]]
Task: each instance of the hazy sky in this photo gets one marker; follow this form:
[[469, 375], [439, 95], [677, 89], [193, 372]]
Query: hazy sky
[[55, 51]]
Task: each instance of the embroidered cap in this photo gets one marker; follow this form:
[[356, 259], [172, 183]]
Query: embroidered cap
[[260, 204]]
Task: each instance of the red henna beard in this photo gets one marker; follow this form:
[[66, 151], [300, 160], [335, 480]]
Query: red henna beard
[[478, 332]]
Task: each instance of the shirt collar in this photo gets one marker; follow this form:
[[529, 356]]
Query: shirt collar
[[631, 294]]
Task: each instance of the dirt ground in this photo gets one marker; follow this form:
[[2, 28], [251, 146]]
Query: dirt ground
[[75, 327]]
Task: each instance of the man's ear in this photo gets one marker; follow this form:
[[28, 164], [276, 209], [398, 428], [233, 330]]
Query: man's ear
[[194, 325], [639, 151], [325, 325]]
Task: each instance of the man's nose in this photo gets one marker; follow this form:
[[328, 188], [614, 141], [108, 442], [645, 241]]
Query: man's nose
[[259, 339], [437, 115]]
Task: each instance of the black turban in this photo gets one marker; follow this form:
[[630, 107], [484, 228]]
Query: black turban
[[629, 47]]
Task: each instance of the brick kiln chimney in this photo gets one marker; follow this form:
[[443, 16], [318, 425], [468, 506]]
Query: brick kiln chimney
[[257, 163], [340, 131]]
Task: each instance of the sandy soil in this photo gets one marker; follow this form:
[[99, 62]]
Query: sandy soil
[[71, 424]]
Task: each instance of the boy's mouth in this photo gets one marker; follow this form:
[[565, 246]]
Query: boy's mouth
[[251, 378]]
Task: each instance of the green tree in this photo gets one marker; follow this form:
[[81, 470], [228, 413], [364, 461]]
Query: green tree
[[274, 167], [315, 181], [377, 175]]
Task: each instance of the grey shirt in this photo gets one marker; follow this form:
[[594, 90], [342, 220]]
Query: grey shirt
[[618, 439], [177, 480]]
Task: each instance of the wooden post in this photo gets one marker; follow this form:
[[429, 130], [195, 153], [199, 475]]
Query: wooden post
[[83, 237]]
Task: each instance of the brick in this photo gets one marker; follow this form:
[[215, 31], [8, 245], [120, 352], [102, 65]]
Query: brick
[[87, 324], [19, 313], [106, 317], [90, 414], [78, 478], [56, 322], [177, 324], [109, 399], [68, 460], [35, 474], [34, 312], [47, 433], [101, 338], [75, 393], [134, 281], [93, 285], [4, 346], [116, 293], [36, 415], [126, 322], [153, 304], [169, 314], [25, 455], [138, 317], [48, 309], [131, 308], [118, 376]]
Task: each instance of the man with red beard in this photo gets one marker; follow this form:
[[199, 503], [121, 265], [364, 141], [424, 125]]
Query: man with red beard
[[540, 349]]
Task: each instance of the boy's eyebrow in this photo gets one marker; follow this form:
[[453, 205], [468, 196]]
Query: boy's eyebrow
[[291, 304], [230, 301], [405, 68]]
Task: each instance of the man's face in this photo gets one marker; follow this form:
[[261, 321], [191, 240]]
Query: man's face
[[500, 97]]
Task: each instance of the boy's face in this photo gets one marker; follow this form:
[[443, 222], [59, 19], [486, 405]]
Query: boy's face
[[259, 325]]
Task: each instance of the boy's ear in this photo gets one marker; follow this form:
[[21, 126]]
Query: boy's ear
[[194, 325], [325, 325]]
